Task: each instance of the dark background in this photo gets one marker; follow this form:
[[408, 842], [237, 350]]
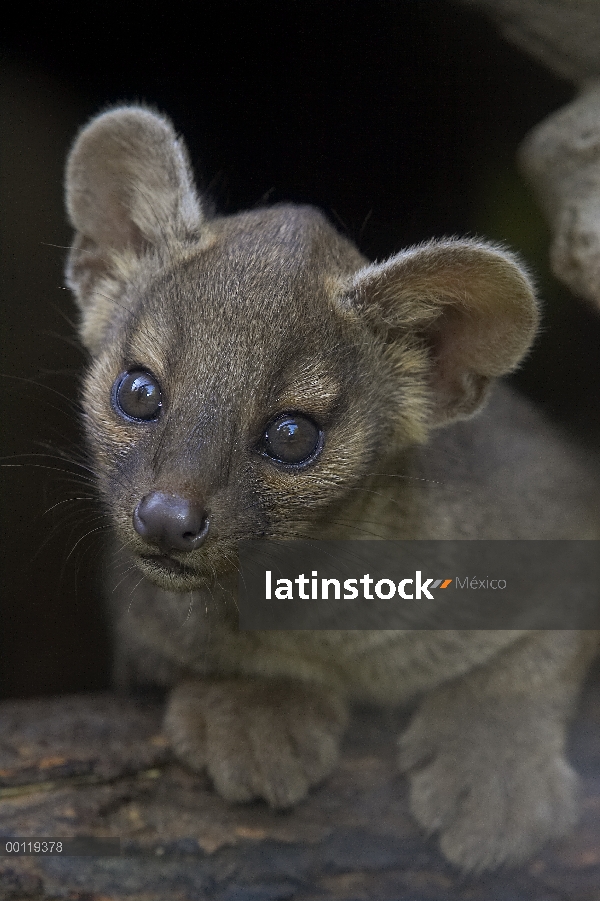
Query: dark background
[[400, 119]]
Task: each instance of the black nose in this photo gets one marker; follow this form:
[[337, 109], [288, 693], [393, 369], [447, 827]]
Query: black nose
[[171, 522]]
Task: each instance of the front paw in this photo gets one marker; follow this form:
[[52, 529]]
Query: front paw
[[257, 738], [494, 787]]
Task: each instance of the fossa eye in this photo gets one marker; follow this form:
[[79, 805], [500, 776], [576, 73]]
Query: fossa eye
[[137, 395], [292, 438]]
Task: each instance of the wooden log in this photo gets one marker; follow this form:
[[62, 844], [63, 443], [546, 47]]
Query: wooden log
[[98, 766]]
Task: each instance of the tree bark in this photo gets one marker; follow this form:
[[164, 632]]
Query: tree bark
[[98, 766]]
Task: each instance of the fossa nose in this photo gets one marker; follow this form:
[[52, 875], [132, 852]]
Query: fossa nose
[[171, 522]]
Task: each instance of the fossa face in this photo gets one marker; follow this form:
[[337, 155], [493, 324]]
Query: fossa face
[[237, 395]]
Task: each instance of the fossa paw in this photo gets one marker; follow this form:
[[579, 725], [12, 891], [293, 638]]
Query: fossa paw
[[490, 799], [256, 739]]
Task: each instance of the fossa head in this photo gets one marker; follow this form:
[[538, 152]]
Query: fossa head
[[249, 373]]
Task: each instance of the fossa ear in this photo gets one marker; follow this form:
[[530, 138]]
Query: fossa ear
[[469, 304], [128, 187]]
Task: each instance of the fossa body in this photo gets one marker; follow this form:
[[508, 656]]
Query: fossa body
[[254, 376]]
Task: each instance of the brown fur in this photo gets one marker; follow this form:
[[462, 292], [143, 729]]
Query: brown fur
[[243, 317]]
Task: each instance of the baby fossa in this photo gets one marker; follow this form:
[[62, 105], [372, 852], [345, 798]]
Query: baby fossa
[[254, 376]]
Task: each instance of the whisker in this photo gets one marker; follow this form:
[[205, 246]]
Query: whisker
[[68, 500], [189, 613], [70, 322], [134, 589], [129, 569], [30, 381], [87, 534], [43, 466], [395, 475]]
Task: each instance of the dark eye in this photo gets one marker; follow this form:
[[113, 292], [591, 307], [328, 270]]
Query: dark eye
[[137, 395], [292, 438]]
